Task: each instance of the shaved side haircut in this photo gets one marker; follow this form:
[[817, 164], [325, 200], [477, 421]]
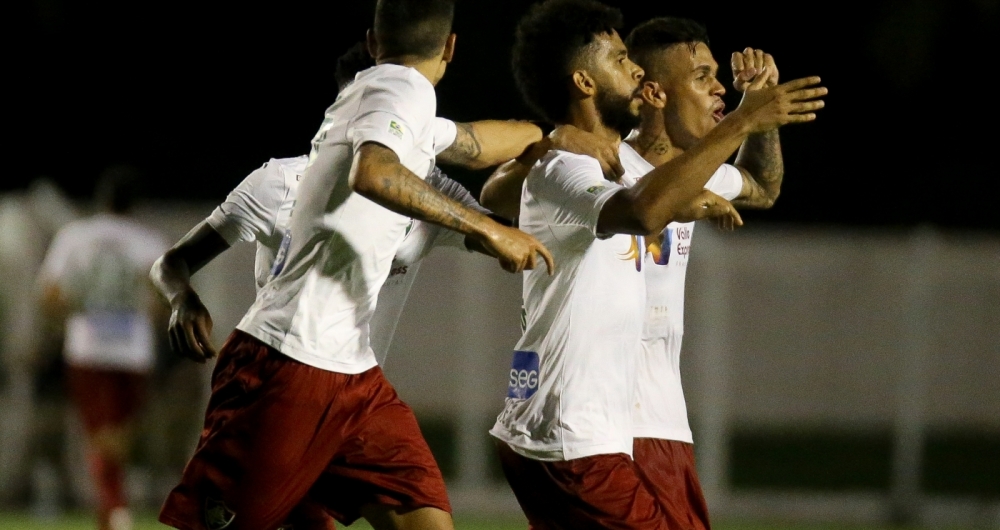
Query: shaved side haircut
[[417, 28], [659, 34]]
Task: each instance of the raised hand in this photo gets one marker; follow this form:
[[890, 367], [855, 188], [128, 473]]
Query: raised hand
[[708, 205], [573, 140], [190, 329], [768, 107], [516, 250], [750, 63]]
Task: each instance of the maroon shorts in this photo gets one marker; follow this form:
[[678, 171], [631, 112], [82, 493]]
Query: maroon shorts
[[595, 492], [283, 439], [105, 398], [667, 467]]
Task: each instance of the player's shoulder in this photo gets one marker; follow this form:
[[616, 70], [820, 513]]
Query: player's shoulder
[[556, 164], [395, 78], [295, 165]]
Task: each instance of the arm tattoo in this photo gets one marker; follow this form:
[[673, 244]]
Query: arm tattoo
[[763, 170], [467, 146], [403, 192]]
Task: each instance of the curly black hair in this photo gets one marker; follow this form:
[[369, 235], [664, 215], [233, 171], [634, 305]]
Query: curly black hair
[[354, 60], [659, 34], [547, 41]]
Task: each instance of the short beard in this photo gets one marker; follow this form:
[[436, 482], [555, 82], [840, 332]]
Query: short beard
[[616, 112]]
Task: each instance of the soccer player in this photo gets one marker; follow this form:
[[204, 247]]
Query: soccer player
[[683, 102], [94, 279], [565, 434], [301, 418]]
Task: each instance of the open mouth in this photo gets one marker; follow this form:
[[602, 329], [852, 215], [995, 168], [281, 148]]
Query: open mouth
[[719, 112]]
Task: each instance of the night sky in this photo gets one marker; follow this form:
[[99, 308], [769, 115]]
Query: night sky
[[198, 95]]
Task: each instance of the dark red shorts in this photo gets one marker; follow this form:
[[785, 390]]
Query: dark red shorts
[[283, 439], [667, 467], [105, 398], [595, 492]]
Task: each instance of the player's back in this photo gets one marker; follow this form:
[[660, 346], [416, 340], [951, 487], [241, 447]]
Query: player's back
[[100, 265], [572, 377], [317, 307]]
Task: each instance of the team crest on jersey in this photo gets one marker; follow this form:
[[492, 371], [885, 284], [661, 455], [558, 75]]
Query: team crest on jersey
[[523, 382], [396, 129], [217, 515]]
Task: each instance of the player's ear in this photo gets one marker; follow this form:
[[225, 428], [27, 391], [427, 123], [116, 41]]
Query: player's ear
[[582, 82], [449, 48], [653, 94], [371, 43]]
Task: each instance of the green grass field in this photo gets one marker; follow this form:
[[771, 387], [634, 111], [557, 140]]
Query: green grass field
[[20, 521]]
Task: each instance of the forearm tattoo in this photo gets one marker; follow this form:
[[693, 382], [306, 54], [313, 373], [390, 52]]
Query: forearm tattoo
[[760, 155], [406, 194], [466, 148]]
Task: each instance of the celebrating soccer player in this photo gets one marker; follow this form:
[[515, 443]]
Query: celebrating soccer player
[[683, 102], [566, 432]]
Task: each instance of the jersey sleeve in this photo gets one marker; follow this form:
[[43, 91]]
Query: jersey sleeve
[[571, 193], [445, 132], [727, 182], [423, 237], [57, 259], [251, 210], [395, 111]]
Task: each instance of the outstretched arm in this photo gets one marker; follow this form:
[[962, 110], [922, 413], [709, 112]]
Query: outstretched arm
[[501, 193], [665, 194], [378, 175], [190, 327], [486, 143], [759, 158]]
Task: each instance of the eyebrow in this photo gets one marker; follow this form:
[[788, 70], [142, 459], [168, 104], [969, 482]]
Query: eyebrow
[[704, 67]]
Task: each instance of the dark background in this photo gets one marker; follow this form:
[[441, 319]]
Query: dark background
[[198, 95]]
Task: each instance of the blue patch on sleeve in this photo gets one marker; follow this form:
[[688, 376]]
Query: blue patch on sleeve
[[523, 382]]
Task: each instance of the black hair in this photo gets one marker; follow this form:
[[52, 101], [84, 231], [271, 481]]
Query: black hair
[[413, 27], [117, 188], [547, 41], [354, 60], [661, 33]]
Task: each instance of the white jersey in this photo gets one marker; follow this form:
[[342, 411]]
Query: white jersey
[[572, 379], [419, 240], [259, 210], [256, 211], [101, 267], [317, 307], [660, 409]]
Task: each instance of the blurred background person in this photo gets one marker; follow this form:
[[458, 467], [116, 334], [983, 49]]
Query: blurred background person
[[93, 280], [28, 220]]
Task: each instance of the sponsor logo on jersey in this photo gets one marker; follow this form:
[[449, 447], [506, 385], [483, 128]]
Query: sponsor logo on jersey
[[398, 271], [396, 129], [523, 382], [282, 255], [217, 515]]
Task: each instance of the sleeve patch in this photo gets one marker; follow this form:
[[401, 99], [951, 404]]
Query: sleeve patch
[[594, 190], [396, 129]]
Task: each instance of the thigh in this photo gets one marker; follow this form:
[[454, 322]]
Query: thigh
[[597, 492], [386, 463], [272, 426], [668, 469]]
